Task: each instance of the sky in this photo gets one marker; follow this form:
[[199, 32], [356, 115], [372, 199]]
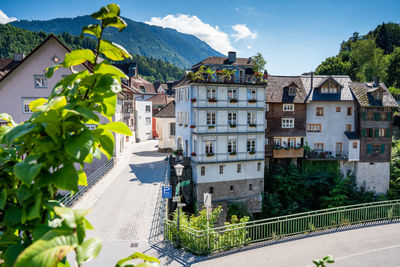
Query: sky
[[294, 36]]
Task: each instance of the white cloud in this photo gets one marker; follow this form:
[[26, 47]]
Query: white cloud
[[213, 36], [249, 46], [243, 32], [236, 9], [4, 19]]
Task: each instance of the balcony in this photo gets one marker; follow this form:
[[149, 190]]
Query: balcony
[[288, 152], [246, 79], [325, 155], [228, 103], [227, 128], [227, 157]]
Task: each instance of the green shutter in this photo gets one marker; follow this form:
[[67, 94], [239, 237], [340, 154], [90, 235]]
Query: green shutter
[[369, 149], [388, 132], [389, 116], [377, 116], [363, 116], [363, 131], [376, 132], [382, 148]]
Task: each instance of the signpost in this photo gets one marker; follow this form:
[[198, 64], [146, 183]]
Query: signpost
[[166, 191], [207, 204], [176, 198]]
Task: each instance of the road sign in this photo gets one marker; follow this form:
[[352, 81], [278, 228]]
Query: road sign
[[176, 199], [181, 204], [207, 200], [166, 191], [178, 186]]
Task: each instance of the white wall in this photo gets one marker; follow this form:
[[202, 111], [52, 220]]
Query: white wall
[[143, 130], [184, 105], [375, 176], [165, 139]]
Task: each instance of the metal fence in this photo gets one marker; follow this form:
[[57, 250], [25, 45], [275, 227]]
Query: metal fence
[[236, 235], [70, 198]]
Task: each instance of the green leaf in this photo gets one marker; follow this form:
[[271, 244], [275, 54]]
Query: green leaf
[[4, 130], [27, 172], [78, 57], [66, 178], [13, 216], [57, 103], [70, 79], [93, 29], [89, 158], [52, 248], [67, 215], [82, 180], [113, 51], [50, 70], [108, 82], [11, 254], [78, 146], [116, 22], [108, 105], [88, 250], [23, 193], [106, 139], [116, 127], [8, 118], [39, 231], [53, 130], [109, 11], [17, 132], [87, 113], [34, 211], [37, 103], [88, 226], [3, 198], [137, 255], [105, 68]]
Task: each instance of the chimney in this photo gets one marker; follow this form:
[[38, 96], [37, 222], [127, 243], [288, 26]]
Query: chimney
[[231, 57], [376, 81], [19, 56], [133, 70]]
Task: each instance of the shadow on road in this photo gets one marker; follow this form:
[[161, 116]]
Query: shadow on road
[[150, 154], [152, 172]]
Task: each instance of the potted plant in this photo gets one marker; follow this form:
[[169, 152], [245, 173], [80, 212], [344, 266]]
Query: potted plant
[[209, 72], [233, 100], [180, 124], [252, 152], [252, 125], [211, 126], [212, 100], [178, 152], [232, 154], [193, 154], [252, 101], [186, 125], [193, 100], [258, 76], [232, 125], [192, 126], [210, 154]]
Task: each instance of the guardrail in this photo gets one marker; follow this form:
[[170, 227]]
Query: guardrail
[[70, 198], [237, 235]]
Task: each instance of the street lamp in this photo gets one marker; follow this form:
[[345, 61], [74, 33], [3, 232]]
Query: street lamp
[[178, 170]]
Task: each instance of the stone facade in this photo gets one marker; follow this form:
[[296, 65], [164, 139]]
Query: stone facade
[[374, 175]]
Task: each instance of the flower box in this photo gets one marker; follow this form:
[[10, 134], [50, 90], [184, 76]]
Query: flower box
[[211, 126], [178, 152], [193, 100], [192, 126], [252, 100], [232, 125], [193, 154], [252, 125], [252, 152], [210, 154], [180, 124], [233, 100], [212, 100], [232, 154], [186, 125]]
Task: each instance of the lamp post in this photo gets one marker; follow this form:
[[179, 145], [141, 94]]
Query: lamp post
[[178, 170]]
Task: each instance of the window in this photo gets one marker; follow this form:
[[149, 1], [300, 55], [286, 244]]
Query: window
[[209, 147], [287, 123], [179, 117], [148, 108], [258, 166], [348, 127], [381, 132], [251, 145], [288, 107], [142, 88], [203, 171], [232, 94], [313, 127], [210, 118], [319, 111], [354, 144], [186, 95], [211, 93], [251, 118], [375, 149], [250, 187], [292, 91], [232, 118], [239, 168], [267, 107], [292, 142], [231, 188], [319, 146], [338, 109], [330, 87], [370, 116], [349, 111], [40, 81], [221, 169], [25, 105], [277, 142], [55, 59], [378, 96], [338, 148], [266, 141], [211, 190], [172, 129], [251, 94], [148, 120], [232, 146]]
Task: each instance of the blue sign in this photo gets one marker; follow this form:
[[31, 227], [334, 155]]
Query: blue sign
[[166, 191]]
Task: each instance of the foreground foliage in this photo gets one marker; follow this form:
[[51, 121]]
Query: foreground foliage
[[47, 153]]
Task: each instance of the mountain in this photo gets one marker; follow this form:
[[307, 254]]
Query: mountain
[[363, 57], [182, 50], [16, 40]]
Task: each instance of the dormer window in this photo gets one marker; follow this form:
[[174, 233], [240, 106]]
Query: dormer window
[[378, 96], [292, 91], [329, 87]]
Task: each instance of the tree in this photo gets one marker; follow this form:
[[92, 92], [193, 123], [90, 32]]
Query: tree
[[259, 62], [333, 66], [393, 70]]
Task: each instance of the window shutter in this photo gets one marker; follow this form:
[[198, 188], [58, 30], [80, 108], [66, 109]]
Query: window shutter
[[377, 116], [363, 116], [369, 149], [376, 132], [388, 132], [389, 116], [363, 132], [382, 148]]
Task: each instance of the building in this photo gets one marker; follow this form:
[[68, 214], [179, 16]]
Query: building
[[220, 126], [165, 127], [374, 112], [159, 101], [285, 120], [143, 120]]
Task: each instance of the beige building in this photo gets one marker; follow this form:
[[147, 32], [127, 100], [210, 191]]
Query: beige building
[[165, 127]]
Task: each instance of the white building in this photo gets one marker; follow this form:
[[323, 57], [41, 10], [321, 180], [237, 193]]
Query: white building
[[165, 127], [220, 125], [143, 114]]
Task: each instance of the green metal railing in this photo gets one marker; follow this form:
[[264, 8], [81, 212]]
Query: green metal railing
[[237, 235]]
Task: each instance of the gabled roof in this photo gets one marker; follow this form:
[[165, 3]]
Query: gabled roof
[[277, 90], [160, 99], [224, 61], [344, 94], [167, 112], [363, 93]]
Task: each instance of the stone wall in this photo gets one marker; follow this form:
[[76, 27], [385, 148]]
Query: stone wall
[[375, 175]]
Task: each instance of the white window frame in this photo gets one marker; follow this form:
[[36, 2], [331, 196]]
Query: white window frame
[[232, 94], [251, 145], [288, 107], [149, 107], [292, 91], [211, 93], [232, 118], [278, 142], [29, 99], [251, 118], [287, 123], [232, 146], [211, 118], [42, 80], [209, 147], [148, 120], [251, 94]]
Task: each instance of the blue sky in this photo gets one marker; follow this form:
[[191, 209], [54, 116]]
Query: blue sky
[[294, 36]]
